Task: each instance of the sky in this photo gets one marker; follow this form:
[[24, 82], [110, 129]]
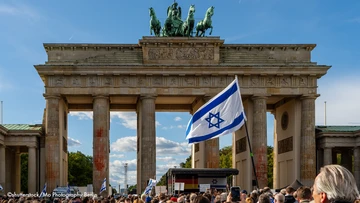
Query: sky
[[26, 24]]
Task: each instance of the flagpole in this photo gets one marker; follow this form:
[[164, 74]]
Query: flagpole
[[252, 156]]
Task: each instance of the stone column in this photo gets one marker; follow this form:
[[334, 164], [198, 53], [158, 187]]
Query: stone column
[[101, 108], [17, 170], [212, 153], [52, 140], [259, 139], [357, 165], [307, 141], [146, 142], [327, 156], [2, 167], [32, 170]]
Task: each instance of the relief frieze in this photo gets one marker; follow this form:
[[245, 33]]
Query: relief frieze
[[181, 53], [205, 81], [221, 81], [157, 81], [124, 81], [303, 81], [107, 81], [76, 81], [173, 81], [92, 81], [247, 81], [285, 81], [59, 81], [188, 81]]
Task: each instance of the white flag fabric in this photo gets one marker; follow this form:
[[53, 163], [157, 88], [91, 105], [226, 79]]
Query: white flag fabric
[[221, 115], [150, 185], [43, 192], [103, 186]]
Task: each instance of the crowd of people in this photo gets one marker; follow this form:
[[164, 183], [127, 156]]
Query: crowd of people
[[334, 184]]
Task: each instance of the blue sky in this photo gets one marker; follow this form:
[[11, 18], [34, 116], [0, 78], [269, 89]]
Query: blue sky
[[25, 25]]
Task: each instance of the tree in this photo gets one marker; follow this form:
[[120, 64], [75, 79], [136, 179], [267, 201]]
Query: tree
[[270, 165], [226, 157], [187, 163], [80, 169]]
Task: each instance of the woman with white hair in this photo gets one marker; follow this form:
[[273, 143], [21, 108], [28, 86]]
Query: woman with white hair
[[335, 184]]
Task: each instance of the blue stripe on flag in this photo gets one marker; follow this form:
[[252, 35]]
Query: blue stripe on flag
[[233, 89], [236, 122]]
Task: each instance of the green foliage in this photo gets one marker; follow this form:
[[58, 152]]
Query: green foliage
[[187, 163], [132, 189], [162, 181], [270, 165], [80, 169], [226, 157], [24, 173]]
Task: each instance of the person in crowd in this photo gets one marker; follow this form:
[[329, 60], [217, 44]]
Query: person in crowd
[[303, 194], [335, 184]]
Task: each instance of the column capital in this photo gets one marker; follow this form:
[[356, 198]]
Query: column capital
[[100, 96], [52, 96], [255, 97], [147, 96], [31, 146], [310, 96]]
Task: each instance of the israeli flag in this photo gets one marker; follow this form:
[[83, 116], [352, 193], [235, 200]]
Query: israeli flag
[[43, 192], [68, 191], [221, 115], [103, 186], [150, 185], [1, 188]]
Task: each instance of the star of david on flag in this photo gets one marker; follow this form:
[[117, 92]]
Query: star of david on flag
[[221, 115]]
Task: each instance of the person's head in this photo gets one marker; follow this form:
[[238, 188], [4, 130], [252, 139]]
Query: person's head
[[335, 183], [223, 197], [279, 198], [264, 198], [181, 199], [217, 199], [201, 199], [143, 197], [249, 200], [303, 193], [290, 190], [192, 197], [243, 195]]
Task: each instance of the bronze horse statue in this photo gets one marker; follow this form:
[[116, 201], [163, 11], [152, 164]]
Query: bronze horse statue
[[189, 23], [155, 24], [205, 24]]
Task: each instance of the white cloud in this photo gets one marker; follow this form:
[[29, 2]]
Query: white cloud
[[177, 118], [82, 115], [73, 143], [124, 144], [342, 102], [117, 172], [165, 158], [166, 147], [117, 155], [128, 119], [163, 146]]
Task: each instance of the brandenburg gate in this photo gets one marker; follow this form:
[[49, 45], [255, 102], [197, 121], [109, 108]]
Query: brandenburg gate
[[181, 74]]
